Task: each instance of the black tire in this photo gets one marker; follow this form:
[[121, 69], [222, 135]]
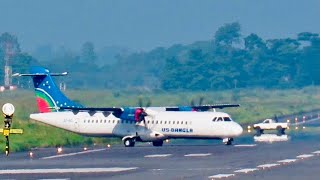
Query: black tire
[[259, 131], [280, 131], [157, 143], [129, 142], [229, 142]]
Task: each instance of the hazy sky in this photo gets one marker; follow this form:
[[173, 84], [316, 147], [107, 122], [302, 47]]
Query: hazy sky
[[146, 24]]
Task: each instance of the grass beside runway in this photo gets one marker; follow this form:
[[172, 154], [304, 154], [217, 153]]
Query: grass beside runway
[[256, 104]]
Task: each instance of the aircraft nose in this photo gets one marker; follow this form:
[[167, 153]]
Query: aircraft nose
[[237, 130]]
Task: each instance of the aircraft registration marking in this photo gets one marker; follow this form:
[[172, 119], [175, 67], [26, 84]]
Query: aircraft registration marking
[[178, 130]]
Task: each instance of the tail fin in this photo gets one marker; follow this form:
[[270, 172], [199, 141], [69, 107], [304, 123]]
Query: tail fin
[[48, 95]]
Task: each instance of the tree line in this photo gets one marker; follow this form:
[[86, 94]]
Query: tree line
[[229, 60]]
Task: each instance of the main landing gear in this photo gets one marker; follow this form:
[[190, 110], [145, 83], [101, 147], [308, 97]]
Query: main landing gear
[[129, 142], [227, 141], [157, 143]]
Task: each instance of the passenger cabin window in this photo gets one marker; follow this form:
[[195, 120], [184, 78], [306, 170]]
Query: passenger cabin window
[[227, 118]]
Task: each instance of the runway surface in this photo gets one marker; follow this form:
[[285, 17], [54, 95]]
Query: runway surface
[[296, 158]]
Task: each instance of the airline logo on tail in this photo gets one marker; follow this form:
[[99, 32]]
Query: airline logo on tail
[[48, 96], [44, 101]]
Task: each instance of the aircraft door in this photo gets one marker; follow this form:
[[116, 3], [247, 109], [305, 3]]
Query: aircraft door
[[76, 124]]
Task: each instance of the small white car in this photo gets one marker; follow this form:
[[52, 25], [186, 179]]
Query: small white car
[[270, 124]]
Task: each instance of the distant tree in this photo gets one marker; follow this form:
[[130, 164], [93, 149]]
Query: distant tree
[[228, 34], [88, 54], [10, 42], [253, 42], [307, 36]]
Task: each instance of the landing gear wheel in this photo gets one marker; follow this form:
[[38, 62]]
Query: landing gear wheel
[[157, 143], [280, 131], [227, 141], [129, 142], [259, 131]]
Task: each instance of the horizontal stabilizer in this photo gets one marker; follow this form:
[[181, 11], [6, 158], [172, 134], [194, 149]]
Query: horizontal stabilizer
[[41, 74]]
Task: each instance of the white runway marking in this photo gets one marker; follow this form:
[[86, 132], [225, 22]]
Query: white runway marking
[[316, 152], [68, 170], [245, 145], [197, 155], [263, 166], [73, 154], [56, 179], [219, 176], [246, 170], [302, 156], [157, 155], [287, 161]]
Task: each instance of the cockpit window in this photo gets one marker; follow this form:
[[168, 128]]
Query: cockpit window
[[219, 119], [227, 118], [214, 119]]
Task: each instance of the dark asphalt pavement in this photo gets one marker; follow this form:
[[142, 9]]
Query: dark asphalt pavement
[[180, 159]]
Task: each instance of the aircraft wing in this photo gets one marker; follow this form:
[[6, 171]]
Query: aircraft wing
[[201, 107], [90, 109]]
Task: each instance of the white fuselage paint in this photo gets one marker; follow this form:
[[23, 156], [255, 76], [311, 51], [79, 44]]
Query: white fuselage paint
[[159, 125]]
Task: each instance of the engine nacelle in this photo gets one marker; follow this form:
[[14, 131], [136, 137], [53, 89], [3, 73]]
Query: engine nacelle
[[149, 135], [127, 114]]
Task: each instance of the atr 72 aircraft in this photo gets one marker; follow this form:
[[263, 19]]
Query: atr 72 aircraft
[[158, 124]]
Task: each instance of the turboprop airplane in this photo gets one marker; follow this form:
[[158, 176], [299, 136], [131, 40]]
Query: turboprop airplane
[[156, 125]]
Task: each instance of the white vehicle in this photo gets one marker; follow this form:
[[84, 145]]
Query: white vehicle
[[157, 124], [270, 124]]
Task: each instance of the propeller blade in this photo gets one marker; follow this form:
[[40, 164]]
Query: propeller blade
[[201, 99], [148, 103]]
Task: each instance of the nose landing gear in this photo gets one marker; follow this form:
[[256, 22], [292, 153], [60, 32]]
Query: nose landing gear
[[227, 141]]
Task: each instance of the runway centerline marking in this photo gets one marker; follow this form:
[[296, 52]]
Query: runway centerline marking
[[198, 155], [264, 166], [285, 161], [157, 155], [245, 145], [219, 176], [316, 152], [246, 170], [302, 156], [66, 170], [73, 154]]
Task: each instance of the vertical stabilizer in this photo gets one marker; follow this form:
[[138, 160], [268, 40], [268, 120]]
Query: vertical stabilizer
[[48, 95]]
